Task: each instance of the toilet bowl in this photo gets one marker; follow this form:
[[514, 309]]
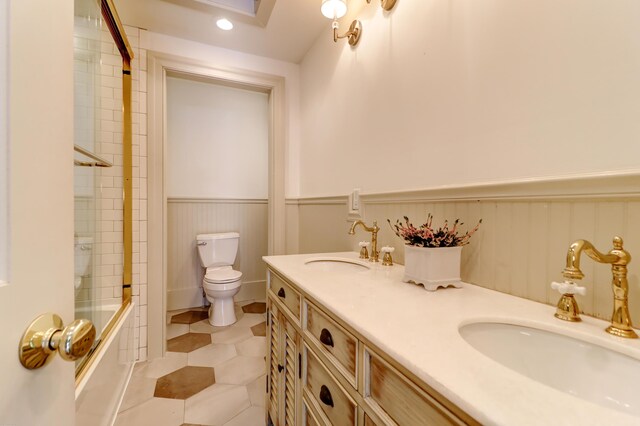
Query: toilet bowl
[[220, 285], [82, 249], [221, 282]]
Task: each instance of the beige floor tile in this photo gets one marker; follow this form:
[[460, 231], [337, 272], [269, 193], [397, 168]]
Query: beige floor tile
[[139, 390], [204, 327], [175, 330], [159, 367], [211, 355], [154, 412], [216, 405], [258, 391], [249, 320], [240, 370], [252, 416], [232, 335], [253, 346]]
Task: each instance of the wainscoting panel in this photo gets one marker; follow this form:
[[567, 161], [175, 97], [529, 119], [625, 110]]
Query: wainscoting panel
[[324, 227], [189, 217], [522, 243]]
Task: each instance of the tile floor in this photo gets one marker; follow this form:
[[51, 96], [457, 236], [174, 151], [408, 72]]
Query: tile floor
[[210, 375]]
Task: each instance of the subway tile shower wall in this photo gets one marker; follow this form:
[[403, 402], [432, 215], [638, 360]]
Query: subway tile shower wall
[[109, 236]]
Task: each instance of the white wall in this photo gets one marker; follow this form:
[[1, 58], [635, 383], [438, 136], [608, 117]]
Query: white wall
[[233, 60], [446, 93], [218, 140]]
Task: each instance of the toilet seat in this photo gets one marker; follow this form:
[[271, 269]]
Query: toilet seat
[[222, 276]]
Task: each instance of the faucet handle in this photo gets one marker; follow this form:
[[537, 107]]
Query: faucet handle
[[569, 287], [387, 260], [364, 253]]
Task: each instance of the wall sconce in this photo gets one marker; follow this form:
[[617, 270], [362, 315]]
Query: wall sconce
[[336, 9], [386, 4]]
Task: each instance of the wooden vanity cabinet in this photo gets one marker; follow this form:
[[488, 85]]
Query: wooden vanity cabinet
[[322, 372], [284, 369]]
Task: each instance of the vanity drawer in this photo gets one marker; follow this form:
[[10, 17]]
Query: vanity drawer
[[285, 293], [341, 347], [332, 399], [388, 390]]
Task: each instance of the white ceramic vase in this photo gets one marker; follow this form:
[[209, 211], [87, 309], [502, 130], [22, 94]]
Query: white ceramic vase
[[432, 267]]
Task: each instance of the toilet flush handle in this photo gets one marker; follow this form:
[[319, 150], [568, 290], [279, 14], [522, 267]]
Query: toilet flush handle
[[202, 243]]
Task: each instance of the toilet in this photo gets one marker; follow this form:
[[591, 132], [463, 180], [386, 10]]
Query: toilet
[[82, 260], [221, 282]]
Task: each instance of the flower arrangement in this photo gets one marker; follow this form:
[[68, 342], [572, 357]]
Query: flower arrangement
[[426, 236]]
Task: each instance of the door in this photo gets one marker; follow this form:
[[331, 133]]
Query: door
[[39, 144]]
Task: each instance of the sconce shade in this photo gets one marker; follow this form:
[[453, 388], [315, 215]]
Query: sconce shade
[[334, 9]]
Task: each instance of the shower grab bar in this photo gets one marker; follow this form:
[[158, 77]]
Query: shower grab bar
[[100, 162]]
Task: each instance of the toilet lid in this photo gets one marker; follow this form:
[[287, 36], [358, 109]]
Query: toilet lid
[[222, 276]]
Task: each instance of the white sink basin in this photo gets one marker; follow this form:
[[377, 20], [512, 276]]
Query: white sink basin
[[582, 369], [336, 264]]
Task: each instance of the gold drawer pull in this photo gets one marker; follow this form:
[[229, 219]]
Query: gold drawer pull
[[281, 293], [326, 338], [325, 396]]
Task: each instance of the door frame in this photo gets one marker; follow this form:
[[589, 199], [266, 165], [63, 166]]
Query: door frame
[[159, 65]]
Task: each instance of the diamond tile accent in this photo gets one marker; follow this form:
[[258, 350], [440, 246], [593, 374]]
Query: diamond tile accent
[[188, 342], [185, 382], [189, 317], [259, 329], [255, 308]]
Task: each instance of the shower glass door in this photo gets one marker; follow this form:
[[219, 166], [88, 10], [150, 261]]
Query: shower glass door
[[98, 174]]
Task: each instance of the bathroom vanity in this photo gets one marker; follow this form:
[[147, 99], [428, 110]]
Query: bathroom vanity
[[351, 344]]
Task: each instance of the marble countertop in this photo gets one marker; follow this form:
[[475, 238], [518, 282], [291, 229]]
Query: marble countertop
[[419, 329]]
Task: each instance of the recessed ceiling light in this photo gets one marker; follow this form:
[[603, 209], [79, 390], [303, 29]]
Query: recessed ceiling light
[[224, 24]]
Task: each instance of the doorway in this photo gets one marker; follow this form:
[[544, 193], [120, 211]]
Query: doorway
[[163, 71]]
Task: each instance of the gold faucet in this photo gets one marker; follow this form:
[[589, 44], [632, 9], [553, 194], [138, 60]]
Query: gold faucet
[[618, 258], [374, 237]]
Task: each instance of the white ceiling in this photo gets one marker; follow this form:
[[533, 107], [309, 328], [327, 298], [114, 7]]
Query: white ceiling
[[291, 29]]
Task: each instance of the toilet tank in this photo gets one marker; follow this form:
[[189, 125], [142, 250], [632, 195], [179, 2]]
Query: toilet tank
[[82, 255], [217, 249]]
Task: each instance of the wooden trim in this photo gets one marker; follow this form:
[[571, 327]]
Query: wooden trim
[[175, 200], [319, 201], [615, 185], [159, 65]]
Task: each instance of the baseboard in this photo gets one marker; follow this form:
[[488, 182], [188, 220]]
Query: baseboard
[[252, 290], [191, 297], [184, 298]]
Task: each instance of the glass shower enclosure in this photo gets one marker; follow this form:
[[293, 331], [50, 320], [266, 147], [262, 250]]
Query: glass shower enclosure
[[102, 167]]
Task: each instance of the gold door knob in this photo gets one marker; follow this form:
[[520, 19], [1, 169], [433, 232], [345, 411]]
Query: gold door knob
[[46, 335]]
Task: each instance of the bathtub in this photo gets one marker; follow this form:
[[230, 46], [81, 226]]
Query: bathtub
[[101, 388]]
